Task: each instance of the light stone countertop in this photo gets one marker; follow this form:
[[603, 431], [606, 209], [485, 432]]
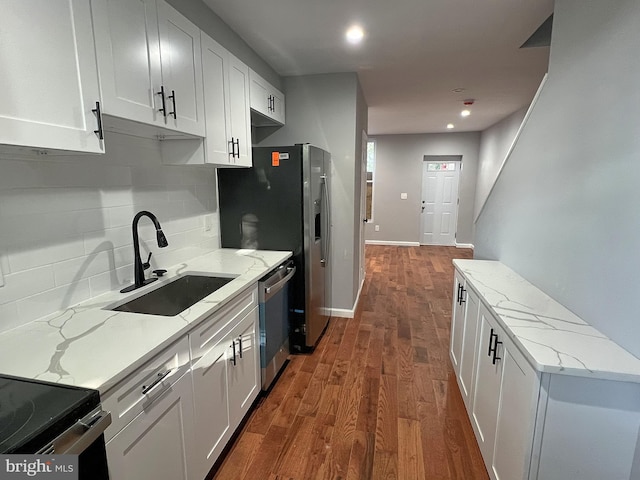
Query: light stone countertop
[[90, 346], [552, 338]]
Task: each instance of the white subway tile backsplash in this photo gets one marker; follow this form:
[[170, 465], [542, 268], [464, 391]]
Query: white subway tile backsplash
[[77, 269], [28, 256], [111, 280], [107, 239], [19, 174], [9, 316], [60, 298], [115, 197], [26, 283], [65, 222]]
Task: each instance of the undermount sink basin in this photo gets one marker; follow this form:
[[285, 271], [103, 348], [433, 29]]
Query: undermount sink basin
[[174, 297]]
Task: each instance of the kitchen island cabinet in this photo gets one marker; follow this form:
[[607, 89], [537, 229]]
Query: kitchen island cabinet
[[552, 398], [50, 96]]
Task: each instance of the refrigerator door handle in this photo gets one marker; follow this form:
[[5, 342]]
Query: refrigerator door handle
[[325, 214]]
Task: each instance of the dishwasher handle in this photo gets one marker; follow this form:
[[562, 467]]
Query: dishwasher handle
[[270, 290]]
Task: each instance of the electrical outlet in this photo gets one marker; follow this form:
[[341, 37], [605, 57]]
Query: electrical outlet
[[403, 196], [377, 228]]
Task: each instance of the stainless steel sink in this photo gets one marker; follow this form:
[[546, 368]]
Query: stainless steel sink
[[175, 296]]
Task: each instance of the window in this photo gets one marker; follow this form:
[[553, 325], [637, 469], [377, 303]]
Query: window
[[371, 166]]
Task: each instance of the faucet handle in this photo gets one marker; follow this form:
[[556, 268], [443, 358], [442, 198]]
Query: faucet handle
[[146, 264]]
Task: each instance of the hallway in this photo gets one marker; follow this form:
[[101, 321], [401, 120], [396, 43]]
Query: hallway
[[377, 399]]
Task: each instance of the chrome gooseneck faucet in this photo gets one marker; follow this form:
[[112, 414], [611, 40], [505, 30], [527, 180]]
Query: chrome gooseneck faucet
[[138, 266]]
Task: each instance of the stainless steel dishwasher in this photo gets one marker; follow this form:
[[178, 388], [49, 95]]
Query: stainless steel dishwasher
[[274, 321]]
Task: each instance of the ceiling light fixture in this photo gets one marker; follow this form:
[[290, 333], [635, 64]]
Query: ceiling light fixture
[[465, 113], [450, 125], [355, 34]]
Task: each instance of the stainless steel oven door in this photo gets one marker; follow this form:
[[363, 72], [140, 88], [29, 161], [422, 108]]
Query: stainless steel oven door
[[85, 438]]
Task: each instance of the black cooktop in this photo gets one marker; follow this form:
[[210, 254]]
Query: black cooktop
[[32, 412]]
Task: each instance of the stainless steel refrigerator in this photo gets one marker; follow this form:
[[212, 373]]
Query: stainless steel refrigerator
[[282, 203]]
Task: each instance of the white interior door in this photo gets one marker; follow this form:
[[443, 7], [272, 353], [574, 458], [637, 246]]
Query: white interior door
[[439, 214]]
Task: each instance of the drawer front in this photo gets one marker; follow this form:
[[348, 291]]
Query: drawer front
[[150, 381], [202, 338]]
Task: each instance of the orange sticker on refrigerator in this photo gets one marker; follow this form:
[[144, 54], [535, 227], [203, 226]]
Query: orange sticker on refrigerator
[[275, 159]]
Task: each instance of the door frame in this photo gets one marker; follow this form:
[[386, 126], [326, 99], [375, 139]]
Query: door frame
[[440, 159]]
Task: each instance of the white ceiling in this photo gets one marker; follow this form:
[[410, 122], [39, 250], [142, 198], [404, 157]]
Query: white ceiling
[[415, 53]]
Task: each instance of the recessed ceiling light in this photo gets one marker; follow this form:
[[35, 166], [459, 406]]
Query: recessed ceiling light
[[450, 125], [465, 113], [458, 90], [355, 34]]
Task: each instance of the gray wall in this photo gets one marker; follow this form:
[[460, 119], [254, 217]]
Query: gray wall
[[495, 142], [328, 111], [399, 169], [202, 16], [564, 212]]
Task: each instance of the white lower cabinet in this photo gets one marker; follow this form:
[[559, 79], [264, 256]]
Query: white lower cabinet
[[468, 357], [159, 442], [533, 425], [225, 373], [174, 415], [457, 322], [504, 402], [244, 374]]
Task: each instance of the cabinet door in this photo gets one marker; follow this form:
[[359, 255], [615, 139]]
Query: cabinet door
[[216, 102], [469, 354], [259, 94], [181, 65], [277, 106], [457, 321], [49, 81], [128, 51], [244, 373], [516, 415], [158, 443], [486, 391], [211, 405], [239, 115]]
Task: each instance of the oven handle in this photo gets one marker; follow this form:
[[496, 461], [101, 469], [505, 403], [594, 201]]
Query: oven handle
[[276, 287], [79, 436]]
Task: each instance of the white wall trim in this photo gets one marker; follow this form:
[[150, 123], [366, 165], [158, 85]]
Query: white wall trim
[[346, 312], [464, 245], [513, 144], [391, 242]]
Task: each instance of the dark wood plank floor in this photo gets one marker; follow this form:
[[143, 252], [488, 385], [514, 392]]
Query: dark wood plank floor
[[377, 399]]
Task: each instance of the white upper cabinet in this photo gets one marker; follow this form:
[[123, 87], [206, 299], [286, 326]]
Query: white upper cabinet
[[128, 54], [239, 110], [149, 62], [180, 60], [49, 92], [226, 97], [266, 100]]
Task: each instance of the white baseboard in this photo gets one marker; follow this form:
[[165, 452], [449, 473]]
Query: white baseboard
[[343, 313], [464, 245], [346, 312], [391, 242]]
